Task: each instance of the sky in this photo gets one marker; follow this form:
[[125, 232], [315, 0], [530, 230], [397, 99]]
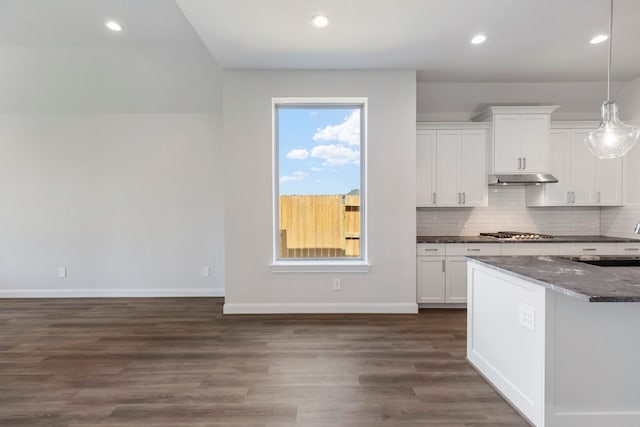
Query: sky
[[318, 150]]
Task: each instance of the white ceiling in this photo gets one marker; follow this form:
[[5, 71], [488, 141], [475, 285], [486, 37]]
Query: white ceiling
[[529, 40], [81, 22]]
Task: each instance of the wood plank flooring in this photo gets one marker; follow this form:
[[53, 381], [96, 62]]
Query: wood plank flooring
[[178, 362]]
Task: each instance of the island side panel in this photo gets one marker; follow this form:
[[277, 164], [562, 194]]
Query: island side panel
[[506, 324], [593, 363]]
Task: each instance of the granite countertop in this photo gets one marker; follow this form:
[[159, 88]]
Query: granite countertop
[[556, 239], [576, 279]]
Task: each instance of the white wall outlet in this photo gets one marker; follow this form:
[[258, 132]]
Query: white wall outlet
[[337, 284], [527, 316], [62, 271], [206, 271]]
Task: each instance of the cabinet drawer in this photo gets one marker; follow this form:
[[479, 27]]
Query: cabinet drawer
[[631, 249], [515, 249], [428, 249], [577, 249], [466, 249]]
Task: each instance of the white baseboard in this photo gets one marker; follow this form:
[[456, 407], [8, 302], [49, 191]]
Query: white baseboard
[[110, 293], [309, 308]]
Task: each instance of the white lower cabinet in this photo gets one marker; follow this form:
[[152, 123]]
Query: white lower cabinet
[[456, 280], [629, 249], [582, 249], [442, 268], [531, 249], [431, 279]]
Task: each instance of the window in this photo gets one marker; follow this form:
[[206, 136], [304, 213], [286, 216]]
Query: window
[[319, 181]]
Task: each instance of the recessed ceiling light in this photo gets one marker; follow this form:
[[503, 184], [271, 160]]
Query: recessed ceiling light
[[113, 26], [319, 21], [599, 39], [480, 38]]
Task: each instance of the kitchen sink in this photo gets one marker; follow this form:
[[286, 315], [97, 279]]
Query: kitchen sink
[[611, 262]]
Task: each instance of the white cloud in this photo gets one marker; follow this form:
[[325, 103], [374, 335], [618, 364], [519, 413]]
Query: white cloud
[[346, 132], [298, 154], [315, 169], [296, 176], [336, 155]]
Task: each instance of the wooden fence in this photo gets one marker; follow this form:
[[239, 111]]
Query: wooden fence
[[319, 226]]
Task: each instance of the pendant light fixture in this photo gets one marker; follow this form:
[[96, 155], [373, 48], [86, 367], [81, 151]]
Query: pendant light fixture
[[613, 138]]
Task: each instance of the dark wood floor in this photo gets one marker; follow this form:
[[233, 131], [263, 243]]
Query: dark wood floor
[[178, 362]]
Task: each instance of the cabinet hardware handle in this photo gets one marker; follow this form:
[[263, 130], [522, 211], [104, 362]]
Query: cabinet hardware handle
[[519, 162], [589, 249], [473, 249], [459, 198], [632, 249], [434, 198], [568, 197], [464, 198], [443, 267], [598, 196], [430, 249], [573, 197], [524, 163]]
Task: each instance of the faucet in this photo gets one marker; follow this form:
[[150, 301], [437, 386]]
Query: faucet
[[637, 229]]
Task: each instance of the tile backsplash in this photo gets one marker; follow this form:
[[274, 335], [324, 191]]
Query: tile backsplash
[[620, 221], [507, 211]]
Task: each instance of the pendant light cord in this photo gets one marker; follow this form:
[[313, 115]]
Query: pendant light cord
[[609, 63]]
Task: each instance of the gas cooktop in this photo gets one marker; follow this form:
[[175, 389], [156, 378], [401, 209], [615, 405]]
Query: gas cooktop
[[517, 235]]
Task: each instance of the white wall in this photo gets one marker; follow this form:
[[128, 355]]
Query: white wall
[[111, 166], [462, 101], [390, 284]]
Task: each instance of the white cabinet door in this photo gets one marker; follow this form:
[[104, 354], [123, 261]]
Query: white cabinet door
[[431, 279], [608, 188], [582, 170], [632, 176], [507, 145], [580, 249], [583, 179], [448, 173], [535, 143], [456, 280], [558, 194], [473, 168], [425, 168]]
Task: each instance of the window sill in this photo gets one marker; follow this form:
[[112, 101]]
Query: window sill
[[320, 267]]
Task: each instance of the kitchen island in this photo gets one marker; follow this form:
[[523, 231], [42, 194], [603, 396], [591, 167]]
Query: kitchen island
[[560, 339]]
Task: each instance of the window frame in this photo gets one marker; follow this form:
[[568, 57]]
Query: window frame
[[320, 265]]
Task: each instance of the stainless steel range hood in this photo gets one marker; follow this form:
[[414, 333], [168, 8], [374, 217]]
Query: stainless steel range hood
[[522, 179]]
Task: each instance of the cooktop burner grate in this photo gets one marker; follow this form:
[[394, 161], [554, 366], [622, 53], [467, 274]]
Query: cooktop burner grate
[[517, 235]]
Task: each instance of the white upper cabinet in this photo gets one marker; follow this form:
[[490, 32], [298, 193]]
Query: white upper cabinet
[[609, 182], [473, 168], [448, 167], [507, 147], [451, 165], [583, 180], [560, 154], [582, 169], [426, 168], [520, 139]]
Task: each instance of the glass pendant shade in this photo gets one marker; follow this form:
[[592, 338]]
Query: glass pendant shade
[[612, 138]]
